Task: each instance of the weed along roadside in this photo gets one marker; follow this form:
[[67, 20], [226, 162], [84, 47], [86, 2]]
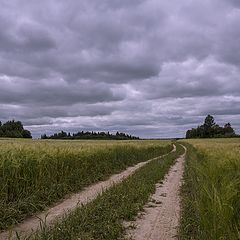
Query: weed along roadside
[[210, 194], [103, 218], [91, 192]]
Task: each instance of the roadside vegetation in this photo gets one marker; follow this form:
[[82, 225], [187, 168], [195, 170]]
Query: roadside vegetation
[[211, 202], [35, 174], [103, 218]]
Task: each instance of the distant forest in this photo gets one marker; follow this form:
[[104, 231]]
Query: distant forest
[[13, 129], [211, 130], [90, 135]]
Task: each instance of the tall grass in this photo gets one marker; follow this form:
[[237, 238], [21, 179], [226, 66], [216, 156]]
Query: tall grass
[[34, 174], [103, 218], [211, 193]]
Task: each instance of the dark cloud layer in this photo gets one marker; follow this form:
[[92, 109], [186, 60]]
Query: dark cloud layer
[[148, 67]]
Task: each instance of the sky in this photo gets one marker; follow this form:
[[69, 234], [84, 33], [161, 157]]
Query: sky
[[146, 67]]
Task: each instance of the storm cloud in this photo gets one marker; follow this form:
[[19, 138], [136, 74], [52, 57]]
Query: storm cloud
[[147, 67]]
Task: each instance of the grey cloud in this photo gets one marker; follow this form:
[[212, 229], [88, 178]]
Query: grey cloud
[[235, 3], [25, 37], [229, 37], [192, 78], [152, 68], [34, 38], [56, 92], [47, 115]]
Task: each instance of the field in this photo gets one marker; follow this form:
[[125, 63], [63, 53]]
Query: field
[[102, 219], [39, 174], [35, 174], [211, 193]]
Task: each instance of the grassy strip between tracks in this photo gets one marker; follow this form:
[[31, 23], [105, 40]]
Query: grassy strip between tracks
[[103, 218], [210, 194], [33, 178]]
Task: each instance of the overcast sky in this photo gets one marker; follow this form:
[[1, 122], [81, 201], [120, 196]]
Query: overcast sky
[[146, 67]]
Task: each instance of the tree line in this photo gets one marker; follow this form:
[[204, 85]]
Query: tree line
[[13, 129], [210, 129], [90, 135]]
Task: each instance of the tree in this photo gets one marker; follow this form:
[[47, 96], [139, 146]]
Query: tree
[[209, 125], [89, 135], [44, 136], [26, 134], [14, 129], [228, 130], [209, 121], [210, 129]]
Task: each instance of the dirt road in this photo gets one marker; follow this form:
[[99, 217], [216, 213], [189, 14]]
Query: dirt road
[[161, 215], [59, 210]]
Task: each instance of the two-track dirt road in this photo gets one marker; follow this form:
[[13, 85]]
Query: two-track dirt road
[[161, 215]]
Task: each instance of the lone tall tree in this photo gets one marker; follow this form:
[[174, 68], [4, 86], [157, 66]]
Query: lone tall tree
[[209, 121], [209, 125]]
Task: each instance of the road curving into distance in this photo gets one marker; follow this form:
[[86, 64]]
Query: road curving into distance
[[161, 216]]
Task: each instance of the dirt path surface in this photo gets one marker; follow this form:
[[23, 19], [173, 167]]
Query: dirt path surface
[[161, 215], [50, 216]]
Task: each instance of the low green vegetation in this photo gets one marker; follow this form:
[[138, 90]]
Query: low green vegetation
[[103, 218], [34, 174], [211, 202]]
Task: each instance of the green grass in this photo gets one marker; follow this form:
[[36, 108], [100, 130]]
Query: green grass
[[102, 219], [34, 174], [211, 193]]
